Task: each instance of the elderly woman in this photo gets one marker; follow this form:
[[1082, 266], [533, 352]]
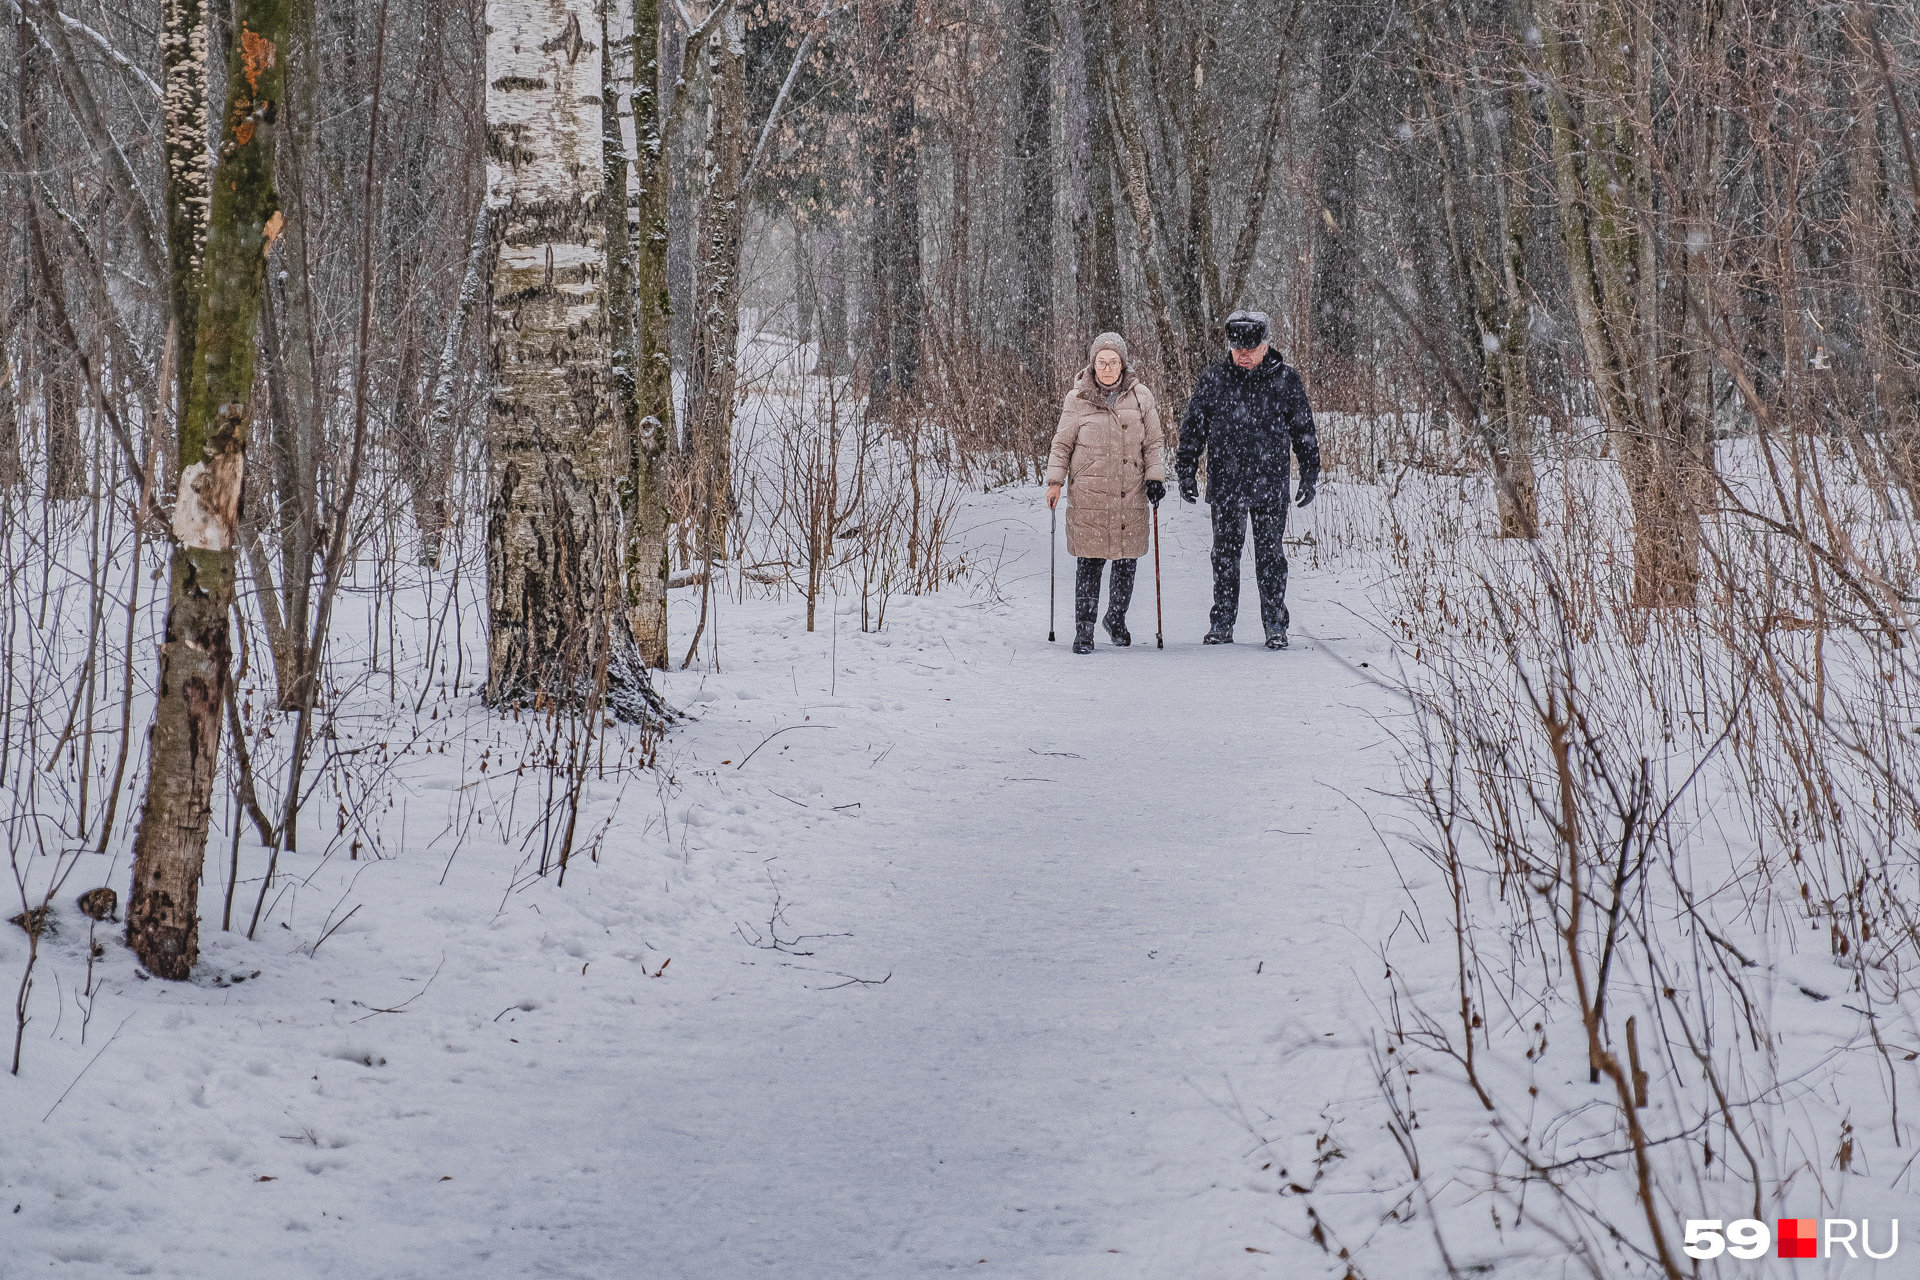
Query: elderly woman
[[1107, 450]]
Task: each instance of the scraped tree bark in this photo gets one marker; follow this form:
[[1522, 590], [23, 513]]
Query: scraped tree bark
[[556, 623], [225, 273]]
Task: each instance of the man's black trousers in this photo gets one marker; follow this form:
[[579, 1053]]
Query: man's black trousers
[[1269, 564], [1086, 594]]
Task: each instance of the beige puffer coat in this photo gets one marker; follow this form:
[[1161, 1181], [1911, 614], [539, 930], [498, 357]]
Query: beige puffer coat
[[1107, 456]]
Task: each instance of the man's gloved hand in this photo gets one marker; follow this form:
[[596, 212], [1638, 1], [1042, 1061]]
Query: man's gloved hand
[[1307, 488], [1156, 490], [1189, 489]]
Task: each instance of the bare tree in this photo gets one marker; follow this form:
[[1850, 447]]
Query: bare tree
[[556, 620], [242, 222]]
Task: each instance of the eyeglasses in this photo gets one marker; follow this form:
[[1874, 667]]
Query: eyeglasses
[[1107, 362]]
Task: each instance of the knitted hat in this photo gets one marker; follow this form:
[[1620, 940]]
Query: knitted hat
[[1110, 341]]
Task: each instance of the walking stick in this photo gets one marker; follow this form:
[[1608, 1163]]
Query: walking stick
[[1159, 615], [1053, 530]]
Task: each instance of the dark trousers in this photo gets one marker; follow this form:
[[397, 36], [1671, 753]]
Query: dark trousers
[[1086, 594], [1269, 563]]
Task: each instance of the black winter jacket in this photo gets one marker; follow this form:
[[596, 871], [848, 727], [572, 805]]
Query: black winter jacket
[[1244, 420]]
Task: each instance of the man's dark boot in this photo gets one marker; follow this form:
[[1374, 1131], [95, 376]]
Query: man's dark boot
[[1219, 635], [1276, 637]]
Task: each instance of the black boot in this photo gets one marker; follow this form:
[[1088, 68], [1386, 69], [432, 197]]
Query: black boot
[[1219, 635], [1086, 603], [1277, 637], [1119, 596]]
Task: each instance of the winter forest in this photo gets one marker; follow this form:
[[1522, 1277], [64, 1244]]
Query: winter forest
[[427, 427]]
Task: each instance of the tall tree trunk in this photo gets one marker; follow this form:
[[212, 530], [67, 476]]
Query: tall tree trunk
[[650, 411], [1102, 287], [1337, 271], [1176, 371], [1203, 319], [242, 222], [12, 386], [1033, 168], [1602, 176], [835, 358], [1482, 206], [184, 58], [59, 379], [714, 369], [554, 601], [893, 176], [804, 298], [1875, 261], [293, 350]]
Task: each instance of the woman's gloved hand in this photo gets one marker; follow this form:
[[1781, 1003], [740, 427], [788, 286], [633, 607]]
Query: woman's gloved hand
[[1156, 490]]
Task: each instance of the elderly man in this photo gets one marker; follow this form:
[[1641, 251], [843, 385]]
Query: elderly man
[[1245, 414]]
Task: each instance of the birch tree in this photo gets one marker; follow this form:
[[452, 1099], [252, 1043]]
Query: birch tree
[[225, 271], [556, 625], [650, 364]]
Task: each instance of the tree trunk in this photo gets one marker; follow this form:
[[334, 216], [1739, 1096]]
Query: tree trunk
[[650, 410], [1121, 103], [1103, 288], [59, 391], [835, 359], [11, 386], [714, 368], [242, 222], [184, 34], [1482, 204], [803, 277], [1602, 177], [1033, 169], [556, 628], [1337, 271], [893, 314]]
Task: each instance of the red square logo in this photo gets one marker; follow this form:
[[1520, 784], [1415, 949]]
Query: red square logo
[[1799, 1237]]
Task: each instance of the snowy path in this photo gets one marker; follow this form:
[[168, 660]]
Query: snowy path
[[1124, 911], [1120, 898]]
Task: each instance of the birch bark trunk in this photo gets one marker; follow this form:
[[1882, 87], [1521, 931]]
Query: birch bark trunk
[[556, 626], [650, 411], [228, 273], [714, 372]]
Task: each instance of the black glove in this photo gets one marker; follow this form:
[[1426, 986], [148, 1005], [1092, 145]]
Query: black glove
[[1189, 489], [1306, 492], [1156, 490]]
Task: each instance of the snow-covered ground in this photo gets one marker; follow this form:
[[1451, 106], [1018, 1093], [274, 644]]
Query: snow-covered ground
[[996, 960]]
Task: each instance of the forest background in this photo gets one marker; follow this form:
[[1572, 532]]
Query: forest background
[[1609, 309]]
